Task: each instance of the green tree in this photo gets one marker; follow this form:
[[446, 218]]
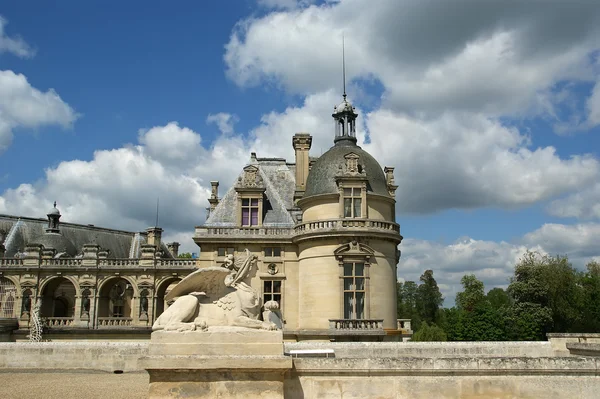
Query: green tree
[[185, 255], [429, 298], [590, 283], [473, 294], [474, 318], [407, 303], [429, 333], [498, 298]]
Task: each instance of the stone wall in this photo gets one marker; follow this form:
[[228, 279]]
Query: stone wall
[[105, 356], [393, 370], [425, 378], [559, 341]]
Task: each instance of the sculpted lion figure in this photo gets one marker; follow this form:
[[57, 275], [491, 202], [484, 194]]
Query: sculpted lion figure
[[214, 296]]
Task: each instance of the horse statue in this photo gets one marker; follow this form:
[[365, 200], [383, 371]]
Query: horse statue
[[214, 296]]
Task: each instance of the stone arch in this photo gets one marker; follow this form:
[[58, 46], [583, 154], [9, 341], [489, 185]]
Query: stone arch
[[162, 288], [58, 295], [47, 280], [115, 297], [8, 297]]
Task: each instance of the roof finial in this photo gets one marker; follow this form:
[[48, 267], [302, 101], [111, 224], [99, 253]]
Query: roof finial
[[55, 204], [344, 65]]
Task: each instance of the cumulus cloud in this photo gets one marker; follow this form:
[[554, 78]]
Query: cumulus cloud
[[468, 161], [224, 121], [582, 205], [284, 4], [118, 188], [430, 56], [14, 45], [22, 105]]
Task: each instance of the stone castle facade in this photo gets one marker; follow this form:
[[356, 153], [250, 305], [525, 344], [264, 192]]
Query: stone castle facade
[[323, 229]]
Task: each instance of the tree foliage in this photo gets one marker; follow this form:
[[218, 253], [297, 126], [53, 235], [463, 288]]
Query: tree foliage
[[429, 333], [545, 294], [185, 255]]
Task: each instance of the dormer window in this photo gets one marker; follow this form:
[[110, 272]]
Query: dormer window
[[353, 202], [250, 212]]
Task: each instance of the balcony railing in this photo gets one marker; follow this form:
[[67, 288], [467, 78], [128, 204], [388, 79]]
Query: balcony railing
[[404, 325], [11, 261], [340, 224], [114, 322], [203, 231], [61, 262], [119, 262], [358, 325], [59, 322]]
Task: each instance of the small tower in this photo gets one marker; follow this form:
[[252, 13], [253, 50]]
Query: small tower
[[53, 220]]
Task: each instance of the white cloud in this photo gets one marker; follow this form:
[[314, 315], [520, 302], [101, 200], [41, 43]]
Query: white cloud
[[593, 106], [468, 161], [14, 45], [285, 4], [584, 204], [430, 56], [22, 105], [224, 121]]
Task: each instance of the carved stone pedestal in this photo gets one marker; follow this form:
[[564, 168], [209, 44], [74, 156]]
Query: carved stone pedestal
[[223, 362]]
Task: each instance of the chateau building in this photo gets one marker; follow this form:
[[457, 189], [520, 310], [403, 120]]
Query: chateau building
[[323, 229]]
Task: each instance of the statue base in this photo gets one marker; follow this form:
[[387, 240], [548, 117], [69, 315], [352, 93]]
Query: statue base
[[223, 362]]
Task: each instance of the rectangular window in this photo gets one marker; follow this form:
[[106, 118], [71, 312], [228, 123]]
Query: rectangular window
[[249, 211], [354, 290], [222, 251], [352, 202], [272, 291], [274, 252]]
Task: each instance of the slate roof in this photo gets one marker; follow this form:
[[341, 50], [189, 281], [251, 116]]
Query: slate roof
[[27, 231], [321, 179], [280, 183]]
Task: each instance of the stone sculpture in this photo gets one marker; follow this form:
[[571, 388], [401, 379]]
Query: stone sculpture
[[36, 329], [215, 296]]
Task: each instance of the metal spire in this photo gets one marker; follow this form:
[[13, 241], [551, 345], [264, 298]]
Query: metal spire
[[156, 225], [344, 65]]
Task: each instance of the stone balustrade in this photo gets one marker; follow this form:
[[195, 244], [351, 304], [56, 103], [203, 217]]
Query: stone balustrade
[[356, 324], [101, 263], [63, 262], [11, 261], [404, 324], [340, 224], [176, 262], [113, 322], [59, 322], [203, 231]]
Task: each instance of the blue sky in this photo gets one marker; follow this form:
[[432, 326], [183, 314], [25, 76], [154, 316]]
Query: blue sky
[[489, 112]]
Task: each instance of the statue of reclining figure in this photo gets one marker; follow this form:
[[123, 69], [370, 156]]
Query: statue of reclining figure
[[214, 296]]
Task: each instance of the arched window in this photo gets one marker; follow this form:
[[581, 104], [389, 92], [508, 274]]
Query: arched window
[[8, 293]]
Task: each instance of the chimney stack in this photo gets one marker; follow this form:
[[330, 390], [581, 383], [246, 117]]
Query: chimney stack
[[214, 195], [173, 248], [154, 236], [301, 143]]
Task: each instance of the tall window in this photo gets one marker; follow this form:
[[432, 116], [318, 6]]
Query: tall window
[[352, 202], [354, 290], [272, 291], [249, 211], [271, 252]]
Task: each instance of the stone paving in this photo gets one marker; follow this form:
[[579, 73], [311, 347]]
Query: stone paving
[[72, 385]]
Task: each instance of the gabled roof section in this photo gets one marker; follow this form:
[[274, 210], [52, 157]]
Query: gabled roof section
[[279, 182]]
